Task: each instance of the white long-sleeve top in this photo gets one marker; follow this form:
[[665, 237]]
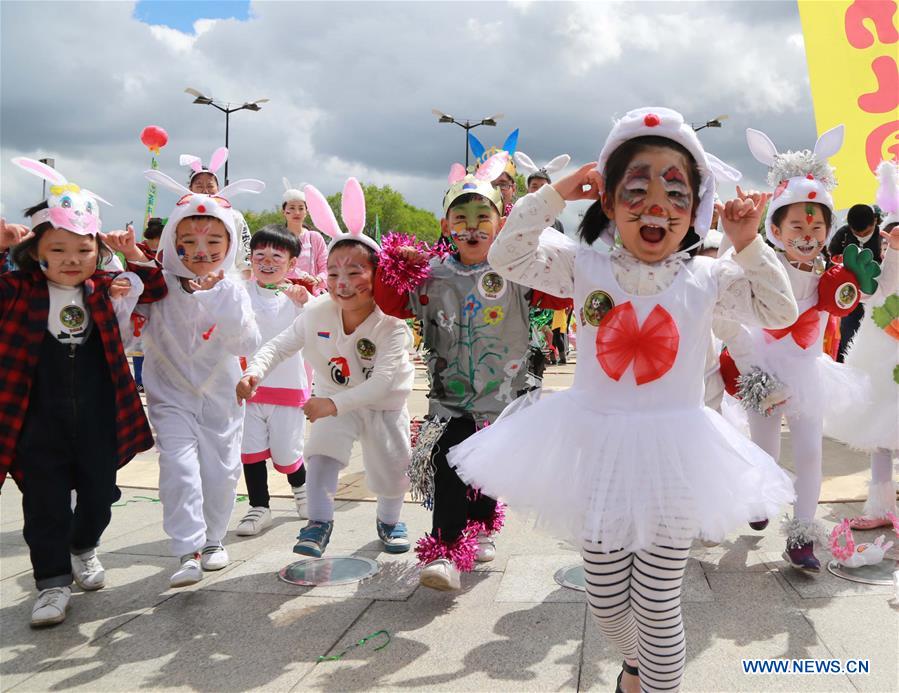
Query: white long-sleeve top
[[752, 285], [368, 369], [192, 342], [286, 383]]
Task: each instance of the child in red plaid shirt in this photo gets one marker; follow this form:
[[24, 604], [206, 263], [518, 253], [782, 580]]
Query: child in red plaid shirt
[[69, 411]]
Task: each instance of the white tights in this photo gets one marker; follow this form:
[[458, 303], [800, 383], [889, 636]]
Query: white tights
[[321, 487]]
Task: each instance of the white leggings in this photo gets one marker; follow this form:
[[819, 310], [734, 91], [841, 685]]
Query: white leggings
[[635, 598], [321, 487], [806, 436]]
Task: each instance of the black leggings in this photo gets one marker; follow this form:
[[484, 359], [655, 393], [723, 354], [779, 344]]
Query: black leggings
[[256, 477]]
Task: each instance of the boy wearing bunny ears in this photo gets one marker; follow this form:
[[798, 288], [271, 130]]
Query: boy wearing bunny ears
[[191, 341], [475, 326]]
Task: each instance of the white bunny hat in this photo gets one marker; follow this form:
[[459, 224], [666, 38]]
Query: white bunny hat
[[69, 206], [196, 204], [667, 123], [352, 210], [479, 182], [803, 176], [888, 192], [293, 193], [531, 170], [216, 161]]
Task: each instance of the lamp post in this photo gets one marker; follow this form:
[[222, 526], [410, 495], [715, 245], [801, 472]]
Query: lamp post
[[52, 164], [466, 125], [227, 109], [713, 123]]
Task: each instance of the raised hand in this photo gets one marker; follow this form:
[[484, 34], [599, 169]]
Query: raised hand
[[124, 242], [246, 388], [892, 236], [12, 234], [207, 281], [296, 293], [119, 287], [572, 187], [740, 217]]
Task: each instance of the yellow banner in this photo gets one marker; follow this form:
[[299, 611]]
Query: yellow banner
[[852, 48]]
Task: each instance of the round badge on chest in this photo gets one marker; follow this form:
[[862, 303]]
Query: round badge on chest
[[492, 286], [366, 348], [596, 305], [72, 317]]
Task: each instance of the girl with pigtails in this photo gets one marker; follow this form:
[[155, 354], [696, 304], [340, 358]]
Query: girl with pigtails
[[637, 466]]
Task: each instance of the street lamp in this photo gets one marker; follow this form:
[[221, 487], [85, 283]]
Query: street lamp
[[466, 125], [227, 109], [52, 164], [713, 123]]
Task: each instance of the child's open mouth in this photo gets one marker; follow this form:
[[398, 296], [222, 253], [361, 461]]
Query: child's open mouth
[[652, 233]]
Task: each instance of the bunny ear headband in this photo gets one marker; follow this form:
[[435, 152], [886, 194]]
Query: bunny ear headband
[[531, 170], [667, 123], [480, 182], [216, 161], [293, 193], [69, 206], [888, 191], [193, 204], [481, 153], [352, 210], [803, 176]]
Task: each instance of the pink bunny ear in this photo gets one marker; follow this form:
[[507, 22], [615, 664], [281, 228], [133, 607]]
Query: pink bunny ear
[[493, 167], [457, 173], [195, 163], [761, 146], [219, 157], [353, 207], [321, 213], [40, 170]]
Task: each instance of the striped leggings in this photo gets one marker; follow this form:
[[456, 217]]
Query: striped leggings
[[635, 598]]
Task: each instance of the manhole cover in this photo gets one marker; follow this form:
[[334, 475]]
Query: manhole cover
[[572, 578], [878, 574], [339, 570]]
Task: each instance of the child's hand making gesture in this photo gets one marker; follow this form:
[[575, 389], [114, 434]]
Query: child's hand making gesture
[[207, 281], [572, 187], [124, 242], [892, 236], [741, 217], [12, 234]]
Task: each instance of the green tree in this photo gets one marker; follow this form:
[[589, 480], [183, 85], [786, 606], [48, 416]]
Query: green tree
[[384, 206]]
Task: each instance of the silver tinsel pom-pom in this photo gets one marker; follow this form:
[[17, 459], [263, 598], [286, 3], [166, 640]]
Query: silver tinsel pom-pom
[[799, 164], [760, 392], [800, 532], [421, 468]]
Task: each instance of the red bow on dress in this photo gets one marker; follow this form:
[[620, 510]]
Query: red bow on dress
[[652, 348], [804, 331]]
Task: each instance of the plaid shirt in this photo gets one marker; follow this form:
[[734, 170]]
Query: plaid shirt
[[24, 305]]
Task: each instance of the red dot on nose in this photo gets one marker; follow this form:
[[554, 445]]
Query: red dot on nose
[[650, 120], [812, 195], [810, 176], [423, 299], [201, 209]]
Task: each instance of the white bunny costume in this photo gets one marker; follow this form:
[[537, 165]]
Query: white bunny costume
[[191, 344], [367, 374]]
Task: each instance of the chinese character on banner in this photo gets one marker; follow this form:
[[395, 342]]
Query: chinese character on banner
[[852, 48]]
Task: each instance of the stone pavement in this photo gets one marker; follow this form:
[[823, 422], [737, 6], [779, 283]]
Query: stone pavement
[[511, 628]]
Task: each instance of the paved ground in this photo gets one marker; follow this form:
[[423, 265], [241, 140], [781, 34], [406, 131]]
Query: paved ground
[[512, 628]]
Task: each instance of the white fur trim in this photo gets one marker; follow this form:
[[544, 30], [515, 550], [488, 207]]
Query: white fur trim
[[881, 499]]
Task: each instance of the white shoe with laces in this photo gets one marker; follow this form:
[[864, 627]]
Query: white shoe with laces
[[50, 606], [214, 557], [441, 574], [88, 571], [299, 497], [254, 521], [486, 548], [189, 573]]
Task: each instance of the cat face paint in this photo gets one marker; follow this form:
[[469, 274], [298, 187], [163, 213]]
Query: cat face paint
[[472, 226], [350, 276], [271, 265], [202, 244], [803, 231]]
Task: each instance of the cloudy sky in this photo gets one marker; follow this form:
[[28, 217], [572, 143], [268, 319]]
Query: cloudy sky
[[352, 86]]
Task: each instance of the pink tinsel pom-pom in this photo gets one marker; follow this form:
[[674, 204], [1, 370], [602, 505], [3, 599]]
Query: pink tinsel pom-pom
[[491, 526], [842, 553], [398, 271], [461, 553]]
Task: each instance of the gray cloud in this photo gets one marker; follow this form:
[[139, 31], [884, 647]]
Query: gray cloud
[[352, 85]]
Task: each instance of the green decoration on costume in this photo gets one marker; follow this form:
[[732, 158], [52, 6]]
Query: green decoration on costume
[[896, 374], [885, 314], [862, 264], [457, 387]]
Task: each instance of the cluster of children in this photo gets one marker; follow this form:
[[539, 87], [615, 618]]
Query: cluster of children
[[637, 467]]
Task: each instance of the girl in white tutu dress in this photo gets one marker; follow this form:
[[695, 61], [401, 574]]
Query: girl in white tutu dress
[[875, 350], [637, 466], [785, 373]]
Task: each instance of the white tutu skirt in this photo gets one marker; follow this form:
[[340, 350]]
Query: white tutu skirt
[[874, 423], [626, 480]]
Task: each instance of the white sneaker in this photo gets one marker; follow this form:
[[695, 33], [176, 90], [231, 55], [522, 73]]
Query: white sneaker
[[299, 497], [214, 557], [50, 606], [486, 548], [88, 571], [254, 522], [440, 575], [189, 573]]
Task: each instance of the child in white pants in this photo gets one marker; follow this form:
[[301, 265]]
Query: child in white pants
[[192, 340], [362, 379]]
